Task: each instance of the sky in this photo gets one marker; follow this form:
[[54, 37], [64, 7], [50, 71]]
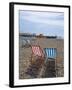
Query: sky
[[41, 22]]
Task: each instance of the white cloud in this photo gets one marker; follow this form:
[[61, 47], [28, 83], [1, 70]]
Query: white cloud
[[49, 18]]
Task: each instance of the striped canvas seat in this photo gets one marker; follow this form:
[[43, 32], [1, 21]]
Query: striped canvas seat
[[50, 52], [37, 51]]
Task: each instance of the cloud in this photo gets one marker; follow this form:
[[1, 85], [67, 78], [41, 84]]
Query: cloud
[[49, 18], [41, 14]]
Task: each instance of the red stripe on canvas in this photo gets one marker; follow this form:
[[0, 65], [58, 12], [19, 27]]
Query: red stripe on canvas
[[37, 51]]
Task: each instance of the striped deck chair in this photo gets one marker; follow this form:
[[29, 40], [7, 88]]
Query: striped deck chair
[[37, 61], [50, 62]]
